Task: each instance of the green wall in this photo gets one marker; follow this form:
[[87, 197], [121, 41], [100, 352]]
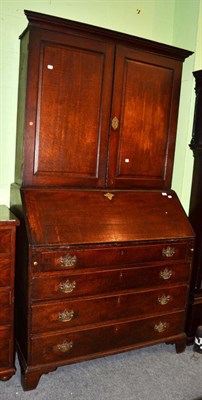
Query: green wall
[[174, 22]]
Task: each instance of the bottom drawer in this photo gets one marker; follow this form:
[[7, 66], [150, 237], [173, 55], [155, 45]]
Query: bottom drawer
[[80, 344], [4, 348]]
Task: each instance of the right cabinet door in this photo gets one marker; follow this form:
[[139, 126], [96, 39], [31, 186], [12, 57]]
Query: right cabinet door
[[143, 119]]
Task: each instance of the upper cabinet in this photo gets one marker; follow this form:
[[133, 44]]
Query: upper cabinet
[[96, 108]]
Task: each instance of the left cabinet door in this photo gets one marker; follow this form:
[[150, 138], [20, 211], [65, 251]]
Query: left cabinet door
[[67, 110]]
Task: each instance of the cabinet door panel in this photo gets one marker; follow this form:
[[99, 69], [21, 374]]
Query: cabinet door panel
[[73, 101], [145, 90]]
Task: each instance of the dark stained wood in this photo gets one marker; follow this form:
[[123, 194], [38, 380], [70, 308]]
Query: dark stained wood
[[194, 318], [8, 223], [102, 283], [113, 256], [84, 80], [85, 217], [70, 142], [141, 151], [75, 313], [105, 339], [53, 23], [104, 248], [5, 268]]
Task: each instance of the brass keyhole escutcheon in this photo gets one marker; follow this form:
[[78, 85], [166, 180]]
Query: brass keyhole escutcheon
[[109, 196], [115, 123]]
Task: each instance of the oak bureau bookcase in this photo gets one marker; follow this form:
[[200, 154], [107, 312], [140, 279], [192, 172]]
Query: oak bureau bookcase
[[104, 246]]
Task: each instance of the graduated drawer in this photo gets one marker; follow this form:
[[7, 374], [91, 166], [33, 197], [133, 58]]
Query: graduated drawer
[[109, 256], [63, 315], [5, 307], [5, 241], [82, 344], [74, 285], [5, 271], [4, 347]]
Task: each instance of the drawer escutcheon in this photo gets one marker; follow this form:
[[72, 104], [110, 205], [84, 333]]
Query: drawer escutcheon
[[163, 300], [168, 251], [67, 261], [65, 316], [65, 346], [161, 327], [166, 274], [67, 287]]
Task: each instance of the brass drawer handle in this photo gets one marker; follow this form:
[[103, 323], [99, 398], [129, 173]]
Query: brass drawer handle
[[67, 287], [163, 299], [68, 261], [168, 251], [115, 123], [166, 274], [65, 316], [65, 346], [161, 327]]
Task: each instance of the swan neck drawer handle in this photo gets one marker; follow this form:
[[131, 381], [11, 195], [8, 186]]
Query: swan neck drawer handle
[[166, 274], [67, 261], [65, 316], [161, 327], [163, 299], [65, 346], [168, 251], [67, 287]]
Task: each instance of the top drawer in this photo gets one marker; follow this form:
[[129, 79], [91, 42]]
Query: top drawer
[[5, 241], [74, 258]]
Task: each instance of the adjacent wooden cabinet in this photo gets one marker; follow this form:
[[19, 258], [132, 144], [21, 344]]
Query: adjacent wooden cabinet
[[104, 248], [195, 215], [8, 223]]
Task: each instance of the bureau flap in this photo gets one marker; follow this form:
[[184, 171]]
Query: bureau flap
[[62, 217]]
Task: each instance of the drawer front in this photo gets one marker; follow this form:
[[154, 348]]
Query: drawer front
[[63, 315], [5, 307], [4, 348], [53, 287], [5, 272], [113, 256], [5, 241], [99, 341]]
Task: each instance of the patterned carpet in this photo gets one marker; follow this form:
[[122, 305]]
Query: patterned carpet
[[152, 373]]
